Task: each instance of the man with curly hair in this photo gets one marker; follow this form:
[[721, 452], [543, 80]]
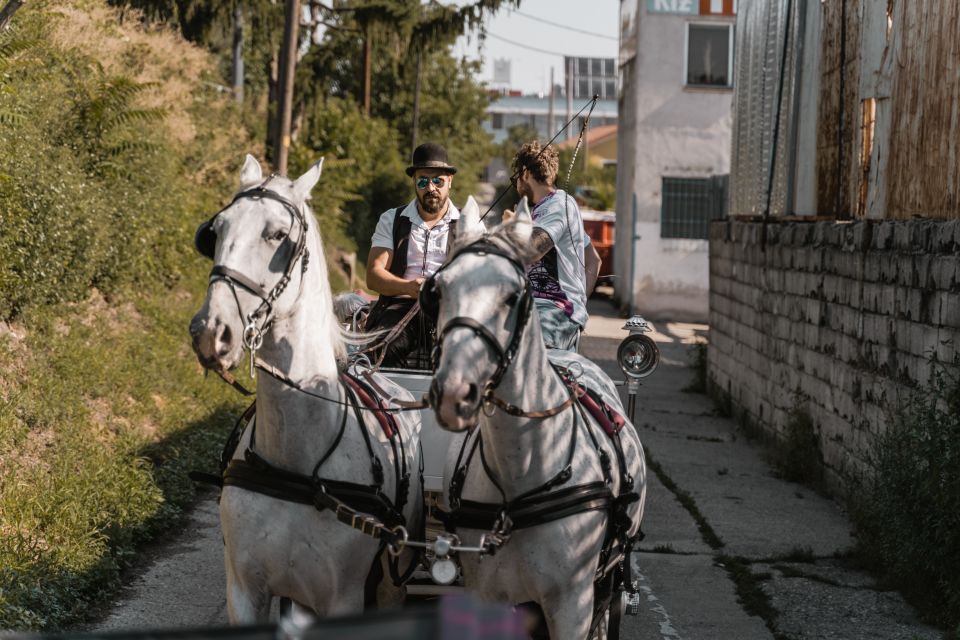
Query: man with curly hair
[[567, 264]]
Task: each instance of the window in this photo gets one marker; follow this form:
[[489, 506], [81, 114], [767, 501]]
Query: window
[[610, 89], [689, 204], [596, 67], [608, 69], [497, 121], [583, 88], [709, 55]]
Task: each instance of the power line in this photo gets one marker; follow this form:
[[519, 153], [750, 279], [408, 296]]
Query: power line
[[563, 26], [525, 46]]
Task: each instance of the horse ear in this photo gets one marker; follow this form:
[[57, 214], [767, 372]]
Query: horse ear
[[523, 210], [470, 218], [522, 229], [251, 173], [305, 183]]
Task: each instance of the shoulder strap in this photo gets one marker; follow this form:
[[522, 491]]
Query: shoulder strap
[[401, 241], [452, 235]]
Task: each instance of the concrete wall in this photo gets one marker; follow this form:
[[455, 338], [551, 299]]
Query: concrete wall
[[836, 319], [666, 129]]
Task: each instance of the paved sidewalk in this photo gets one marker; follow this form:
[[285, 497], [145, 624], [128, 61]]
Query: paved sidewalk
[[728, 521]]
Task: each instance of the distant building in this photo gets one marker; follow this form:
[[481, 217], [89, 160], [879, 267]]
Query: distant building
[[676, 67], [501, 72], [506, 111], [588, 77]]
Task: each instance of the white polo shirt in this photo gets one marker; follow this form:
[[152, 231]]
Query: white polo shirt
[[427, 248]]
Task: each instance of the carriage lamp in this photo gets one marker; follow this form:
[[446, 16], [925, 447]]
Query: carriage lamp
[[443, 570], [638, 357]]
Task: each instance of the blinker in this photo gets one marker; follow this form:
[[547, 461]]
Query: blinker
[[205, 239]]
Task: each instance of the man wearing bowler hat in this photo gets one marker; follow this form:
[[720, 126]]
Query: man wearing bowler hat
[[408, 246]]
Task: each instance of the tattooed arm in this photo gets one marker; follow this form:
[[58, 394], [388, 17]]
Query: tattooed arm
[[541, 242]]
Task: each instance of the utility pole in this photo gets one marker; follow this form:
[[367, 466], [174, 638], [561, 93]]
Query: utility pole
[[416, 101], [6, 13], [366, 70], [288, 67], [569, 83], [553, 91], [238, 53]]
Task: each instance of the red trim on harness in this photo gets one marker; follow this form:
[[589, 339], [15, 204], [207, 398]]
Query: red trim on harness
[[605, 415], [387, 421]]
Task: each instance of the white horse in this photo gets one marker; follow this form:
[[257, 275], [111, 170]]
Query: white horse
[[275, 547], [552, 564]]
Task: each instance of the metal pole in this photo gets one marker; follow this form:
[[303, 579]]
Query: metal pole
[[366, 71], [553, 92], [288, 67], [238, 53], [7, 12], [416, 101], [569, 84]]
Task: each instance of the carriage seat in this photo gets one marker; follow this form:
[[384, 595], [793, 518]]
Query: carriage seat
[[351, 310]]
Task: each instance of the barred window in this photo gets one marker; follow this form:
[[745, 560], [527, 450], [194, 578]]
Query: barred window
[[689, 204]]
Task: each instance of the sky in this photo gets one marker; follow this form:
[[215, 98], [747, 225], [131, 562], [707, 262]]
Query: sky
[[530, 70]]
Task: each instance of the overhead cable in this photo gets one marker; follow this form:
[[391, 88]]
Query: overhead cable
[[563, 26]]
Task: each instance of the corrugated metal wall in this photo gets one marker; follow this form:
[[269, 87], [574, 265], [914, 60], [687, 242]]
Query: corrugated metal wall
[[762, 26], [923, 168]]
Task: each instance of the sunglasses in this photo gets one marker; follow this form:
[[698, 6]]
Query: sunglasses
[[437, 181]]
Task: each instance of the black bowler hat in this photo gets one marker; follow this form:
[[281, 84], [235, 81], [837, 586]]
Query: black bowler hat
[[430, 155]]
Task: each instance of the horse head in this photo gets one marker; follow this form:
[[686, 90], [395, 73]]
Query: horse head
[[483, 301], [263, 242]]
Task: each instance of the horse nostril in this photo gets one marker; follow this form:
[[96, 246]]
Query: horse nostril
[[435, 394], [473, 394], [223, 339]]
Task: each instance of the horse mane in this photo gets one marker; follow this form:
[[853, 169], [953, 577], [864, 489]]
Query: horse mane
[[505, 238]]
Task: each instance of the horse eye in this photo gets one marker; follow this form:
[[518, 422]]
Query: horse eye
[[512, 299], [277, 235]]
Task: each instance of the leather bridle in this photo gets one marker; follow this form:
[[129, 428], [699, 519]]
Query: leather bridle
[[429, 302], [257, 323]]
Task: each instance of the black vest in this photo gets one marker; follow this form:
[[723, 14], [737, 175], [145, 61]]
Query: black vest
[[398, 265], [401, 241]]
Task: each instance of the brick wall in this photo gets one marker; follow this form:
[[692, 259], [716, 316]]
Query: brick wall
[[836, 319]]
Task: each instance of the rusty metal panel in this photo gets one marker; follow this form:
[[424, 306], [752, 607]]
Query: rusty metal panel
[[923, 168], [838, 115]]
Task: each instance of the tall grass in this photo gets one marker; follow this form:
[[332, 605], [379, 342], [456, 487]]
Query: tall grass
[[908, 510], [105, 171]]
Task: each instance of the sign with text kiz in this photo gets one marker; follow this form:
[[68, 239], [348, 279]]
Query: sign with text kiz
[[693, 7]]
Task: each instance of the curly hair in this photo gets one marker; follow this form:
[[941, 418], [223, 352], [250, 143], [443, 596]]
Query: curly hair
[[542, 164]]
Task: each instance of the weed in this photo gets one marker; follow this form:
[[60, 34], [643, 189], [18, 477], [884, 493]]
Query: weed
[[799, 457], [908, 508], [686, 500], [749, 592], [698, 362]]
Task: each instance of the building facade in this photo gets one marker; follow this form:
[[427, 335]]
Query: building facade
[[676, 77], [508, 111]]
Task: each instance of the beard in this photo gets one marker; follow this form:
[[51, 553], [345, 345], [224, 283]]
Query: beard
[[430, 202], [523, 191]]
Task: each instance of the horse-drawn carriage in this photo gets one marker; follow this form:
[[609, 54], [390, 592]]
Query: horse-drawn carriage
[[506, 469]]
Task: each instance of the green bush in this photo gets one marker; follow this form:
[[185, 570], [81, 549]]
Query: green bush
[[908, 510], [102, 406]]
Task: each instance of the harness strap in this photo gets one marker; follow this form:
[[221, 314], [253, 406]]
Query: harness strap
[[531, 511], [255, 474], [221, 272], [387, 421]]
